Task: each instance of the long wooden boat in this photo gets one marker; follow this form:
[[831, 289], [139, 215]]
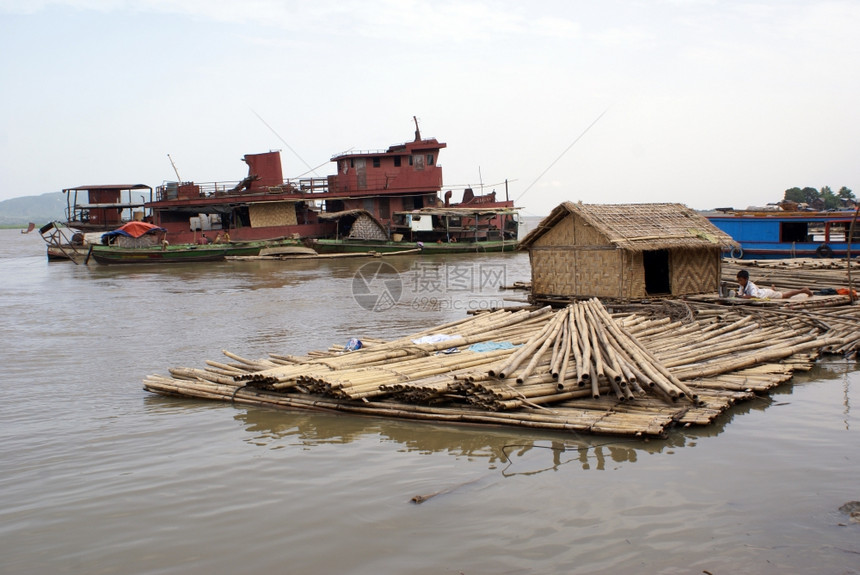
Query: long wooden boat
[[771, 234], [168, 253], [158, 254], [310, 253]]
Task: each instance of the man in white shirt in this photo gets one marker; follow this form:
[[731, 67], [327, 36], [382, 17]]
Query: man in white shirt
[[749, 290]]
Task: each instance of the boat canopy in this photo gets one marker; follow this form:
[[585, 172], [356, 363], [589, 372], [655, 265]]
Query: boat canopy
[[134, 230]]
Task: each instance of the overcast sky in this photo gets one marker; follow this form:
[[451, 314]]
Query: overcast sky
[[708, 103]]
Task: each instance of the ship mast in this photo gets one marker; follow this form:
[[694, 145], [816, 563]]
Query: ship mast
[[178, 179], [417, 131]]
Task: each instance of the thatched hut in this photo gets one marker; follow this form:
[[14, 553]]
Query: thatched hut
[[626, 251], [357, 224]]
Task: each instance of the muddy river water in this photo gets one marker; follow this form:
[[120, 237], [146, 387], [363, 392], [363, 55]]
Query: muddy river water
[[99, 476]]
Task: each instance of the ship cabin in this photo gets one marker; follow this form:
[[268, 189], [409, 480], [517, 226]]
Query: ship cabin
[[403, 178], [777, 234], [106, 206], [399, 188]]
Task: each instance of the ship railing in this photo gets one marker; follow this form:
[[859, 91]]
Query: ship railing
[[312, 185], [353, 152], [170, 190]]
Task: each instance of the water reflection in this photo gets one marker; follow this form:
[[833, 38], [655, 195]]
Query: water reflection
[[828, 370], [511, 451], [514, 452]]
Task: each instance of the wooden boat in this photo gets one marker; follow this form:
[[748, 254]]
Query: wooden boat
[[168, 253], [310, 253], [184, 253], [770, 234], [68, 244]]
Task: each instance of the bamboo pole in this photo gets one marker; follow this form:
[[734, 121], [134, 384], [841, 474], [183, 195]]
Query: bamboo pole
[[545, 346], [558, 351], [586, 372]]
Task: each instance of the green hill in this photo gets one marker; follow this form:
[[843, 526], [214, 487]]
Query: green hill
[[37, 209]]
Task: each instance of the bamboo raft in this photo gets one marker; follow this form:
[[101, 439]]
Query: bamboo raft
[[576, 369]]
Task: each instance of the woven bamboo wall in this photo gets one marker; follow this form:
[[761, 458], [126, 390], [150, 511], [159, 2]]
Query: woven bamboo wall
[[561, 234], [694, 271], [601, 272], [572, 231], [574, 259], [551, 271], [635, 287], [365, 228], [579, 272], [586, 235], [273, 214], [608, 272]]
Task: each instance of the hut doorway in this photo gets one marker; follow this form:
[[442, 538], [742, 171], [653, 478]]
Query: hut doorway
[[656, 264]]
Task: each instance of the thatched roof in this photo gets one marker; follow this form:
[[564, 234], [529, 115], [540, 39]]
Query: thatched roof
[[639, 227], [343, 214]]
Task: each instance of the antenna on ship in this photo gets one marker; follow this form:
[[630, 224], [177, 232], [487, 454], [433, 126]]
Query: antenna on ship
[[417, 131], [308, 166], [175, 171], [573, 143]]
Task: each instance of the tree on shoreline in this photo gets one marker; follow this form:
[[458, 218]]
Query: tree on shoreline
[[824, 199]]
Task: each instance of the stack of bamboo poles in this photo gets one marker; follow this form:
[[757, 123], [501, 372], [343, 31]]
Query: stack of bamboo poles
[[573, 369], [695, 352], [578, 346], [839, 324]]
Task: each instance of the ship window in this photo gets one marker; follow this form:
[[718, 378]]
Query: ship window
[[429, 159], [376, 162], [352, 162], [410, 160], [795, 232], [839, 232], [396, 161]]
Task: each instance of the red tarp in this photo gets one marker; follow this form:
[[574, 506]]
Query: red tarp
[[136, 229]]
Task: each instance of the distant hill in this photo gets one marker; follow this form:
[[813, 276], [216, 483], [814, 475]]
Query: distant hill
[[37, 209]]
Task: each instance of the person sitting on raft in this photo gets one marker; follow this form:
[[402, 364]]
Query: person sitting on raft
[[749, 290]]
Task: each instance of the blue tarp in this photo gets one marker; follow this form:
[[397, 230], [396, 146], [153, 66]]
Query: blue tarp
[[492, 346]]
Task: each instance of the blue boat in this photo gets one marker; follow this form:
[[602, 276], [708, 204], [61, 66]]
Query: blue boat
[[777, 234]]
